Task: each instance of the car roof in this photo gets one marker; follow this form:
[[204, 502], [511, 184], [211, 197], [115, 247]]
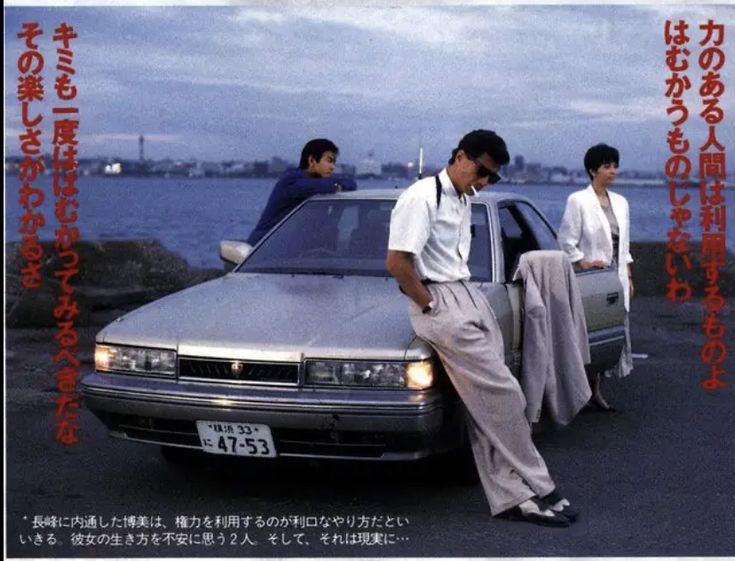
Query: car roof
[[393, 194]]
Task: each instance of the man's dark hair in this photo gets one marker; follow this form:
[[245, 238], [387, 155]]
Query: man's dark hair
[[479, 142], [599, 155], [316, 149]]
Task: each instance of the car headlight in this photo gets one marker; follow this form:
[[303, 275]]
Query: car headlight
[[411, 375], [135, 360]]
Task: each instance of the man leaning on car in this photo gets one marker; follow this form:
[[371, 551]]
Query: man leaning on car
[[314, 176], [428, 250]]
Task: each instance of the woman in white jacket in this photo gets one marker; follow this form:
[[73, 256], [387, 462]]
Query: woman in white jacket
[[595, 233]]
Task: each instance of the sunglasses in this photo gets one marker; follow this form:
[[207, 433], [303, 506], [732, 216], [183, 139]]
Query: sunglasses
[[482, 171]]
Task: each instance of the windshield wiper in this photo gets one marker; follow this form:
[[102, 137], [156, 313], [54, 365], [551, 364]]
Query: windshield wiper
[[321, 273], [279, 271]]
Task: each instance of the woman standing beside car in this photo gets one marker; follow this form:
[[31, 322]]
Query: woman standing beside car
[[595, 233]]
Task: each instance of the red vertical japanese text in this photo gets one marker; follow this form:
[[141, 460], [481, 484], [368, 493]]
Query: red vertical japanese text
[[712, 174], [65, 164], [30, 90], [678, 165]]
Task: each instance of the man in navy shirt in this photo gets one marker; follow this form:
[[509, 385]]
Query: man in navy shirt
[[314, 176]]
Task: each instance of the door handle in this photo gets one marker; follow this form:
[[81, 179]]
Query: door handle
[[612, 297]]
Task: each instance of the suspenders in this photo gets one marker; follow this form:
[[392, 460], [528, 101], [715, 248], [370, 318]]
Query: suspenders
[[439, 200], [438, 191]]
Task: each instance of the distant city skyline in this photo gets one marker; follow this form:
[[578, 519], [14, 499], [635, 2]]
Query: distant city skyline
[[282, 163], [250, 82], [293, 160], [517, 171]]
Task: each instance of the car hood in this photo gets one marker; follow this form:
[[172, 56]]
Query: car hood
[[275, 317]]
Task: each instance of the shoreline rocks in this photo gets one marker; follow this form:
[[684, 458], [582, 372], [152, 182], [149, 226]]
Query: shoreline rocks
[[114, 277]]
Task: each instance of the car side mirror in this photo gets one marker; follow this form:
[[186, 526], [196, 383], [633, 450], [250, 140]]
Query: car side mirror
[[233, 252]]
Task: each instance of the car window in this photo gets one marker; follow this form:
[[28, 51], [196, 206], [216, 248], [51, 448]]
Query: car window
[[342, 237], [540, 228], [347, 237], [480, 258], [348, 222], [517, 237]]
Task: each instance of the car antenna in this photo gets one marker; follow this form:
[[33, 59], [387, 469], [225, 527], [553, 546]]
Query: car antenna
[[421, 163]]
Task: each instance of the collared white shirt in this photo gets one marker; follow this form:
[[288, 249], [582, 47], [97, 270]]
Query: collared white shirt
[[439, 238], [585, 232]]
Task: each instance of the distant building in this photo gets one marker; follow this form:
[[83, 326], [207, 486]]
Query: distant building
[[429, 171], [518, 171], [90, 166], [113, 168], [536, 173], [559, 174], [394, 169], [277, 166], [369, 168], [119, 166], [166, 168], [260, 169], [212, 169], [579, 177], [515, 171], [237, 169], [345, 169]]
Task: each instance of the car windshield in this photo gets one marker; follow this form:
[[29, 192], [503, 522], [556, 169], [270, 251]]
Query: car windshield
[[345, 237]]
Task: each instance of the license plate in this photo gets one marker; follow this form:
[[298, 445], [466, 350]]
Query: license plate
[[236, 439]]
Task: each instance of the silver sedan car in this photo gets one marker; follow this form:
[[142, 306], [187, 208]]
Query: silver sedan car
[[305, 349]]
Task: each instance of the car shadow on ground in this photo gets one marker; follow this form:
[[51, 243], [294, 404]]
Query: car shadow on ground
[[285, 476]]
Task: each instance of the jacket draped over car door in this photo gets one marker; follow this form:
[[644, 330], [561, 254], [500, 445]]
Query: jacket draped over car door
[[555, 342], [585, 232]]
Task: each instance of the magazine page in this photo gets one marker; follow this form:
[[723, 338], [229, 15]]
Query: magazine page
[[316, 279]]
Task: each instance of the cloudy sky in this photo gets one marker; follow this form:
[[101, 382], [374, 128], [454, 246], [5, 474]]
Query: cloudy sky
[[235, 82]]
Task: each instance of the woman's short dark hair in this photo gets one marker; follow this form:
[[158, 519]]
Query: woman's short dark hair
[[316, 149], [599, 155]]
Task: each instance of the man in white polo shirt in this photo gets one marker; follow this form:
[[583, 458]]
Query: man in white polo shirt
[[428, 250]]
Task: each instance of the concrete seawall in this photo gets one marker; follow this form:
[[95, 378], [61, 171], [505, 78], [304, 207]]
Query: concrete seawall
[[117, 276]]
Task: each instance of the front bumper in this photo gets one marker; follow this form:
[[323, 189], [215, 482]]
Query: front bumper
[[305, 422]]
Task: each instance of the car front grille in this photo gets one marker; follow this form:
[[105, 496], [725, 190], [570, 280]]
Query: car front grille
[[238, 371], [299, 442], [289, 442]]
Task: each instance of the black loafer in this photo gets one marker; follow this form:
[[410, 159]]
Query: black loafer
[[557, 520], [554, 500]]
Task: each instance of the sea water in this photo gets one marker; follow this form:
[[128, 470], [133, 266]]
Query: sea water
[[191, 216]]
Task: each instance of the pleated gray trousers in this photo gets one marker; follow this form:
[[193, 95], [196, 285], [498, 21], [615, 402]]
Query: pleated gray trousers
[[463, 330]]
